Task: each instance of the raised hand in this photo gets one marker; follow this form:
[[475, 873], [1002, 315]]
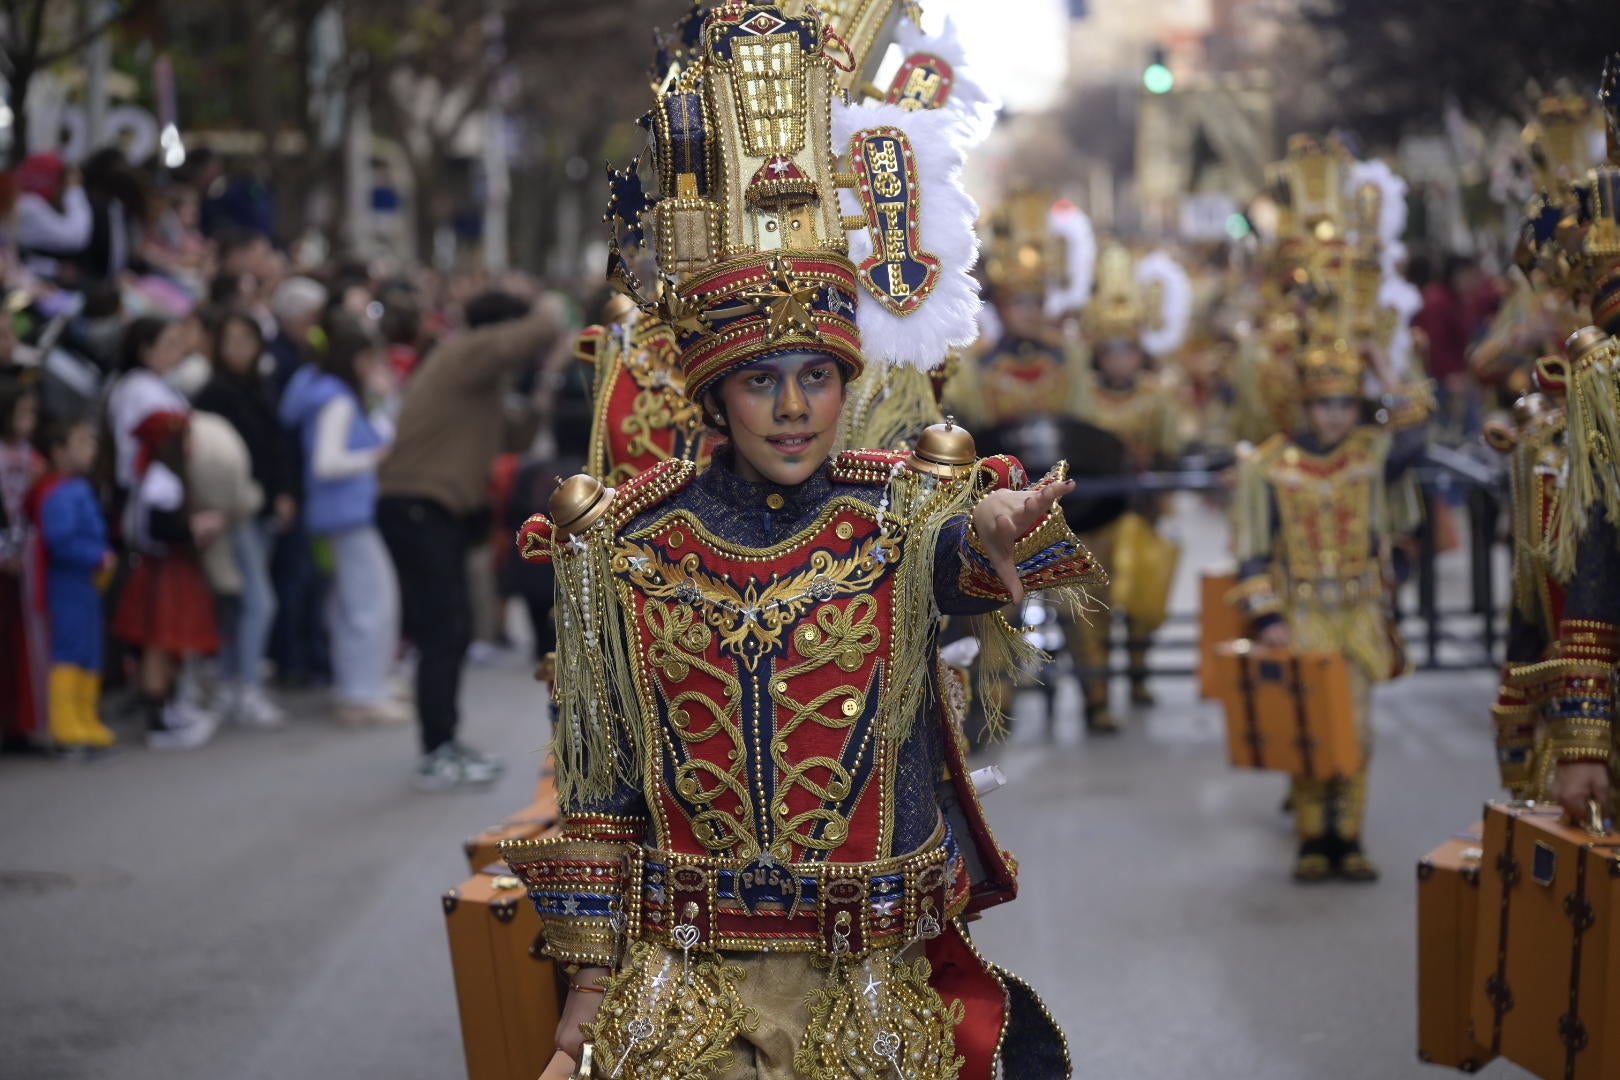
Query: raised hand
[[1002, 517]]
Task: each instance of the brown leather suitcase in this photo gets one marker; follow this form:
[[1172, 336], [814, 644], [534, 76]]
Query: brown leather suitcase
[[1288, 711], [1218, 622], [528, 823], [508, 992], [1547, 960], [1448, 912]]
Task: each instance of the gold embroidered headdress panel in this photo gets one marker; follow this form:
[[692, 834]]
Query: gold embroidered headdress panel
[[747, 223], [1336, 284], [1144, 299]]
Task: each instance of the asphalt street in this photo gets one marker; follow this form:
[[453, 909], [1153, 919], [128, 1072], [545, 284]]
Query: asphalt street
[[268, 908]]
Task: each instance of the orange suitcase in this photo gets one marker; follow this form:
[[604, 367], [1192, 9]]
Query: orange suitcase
[[526, 824], [507, 991], [1548, 944], [1288, 711], [1448, 913], [1218, 622]]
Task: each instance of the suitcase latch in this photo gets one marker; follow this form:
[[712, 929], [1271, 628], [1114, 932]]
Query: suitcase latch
[[1543, 864]]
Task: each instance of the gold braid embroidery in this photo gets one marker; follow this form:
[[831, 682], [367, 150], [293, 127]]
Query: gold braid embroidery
[[867, 1018], [663, 1024], [678, 643], [750, 621], [846, 638]]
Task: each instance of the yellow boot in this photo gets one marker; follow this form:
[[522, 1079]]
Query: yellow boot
[[64, 691], [1314, 862], [1352, 809], [95, 733]]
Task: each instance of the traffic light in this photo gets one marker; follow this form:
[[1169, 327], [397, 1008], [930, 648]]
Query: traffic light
[[1157, 77]]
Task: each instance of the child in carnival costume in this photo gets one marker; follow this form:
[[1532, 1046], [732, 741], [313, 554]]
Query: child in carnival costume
[[1533, 439], [1136, 324], [1312, 530], [770, 836]]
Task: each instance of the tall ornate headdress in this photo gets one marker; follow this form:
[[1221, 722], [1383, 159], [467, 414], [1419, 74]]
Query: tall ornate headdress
[[1042, 245], [749, 222], [1148, 300]]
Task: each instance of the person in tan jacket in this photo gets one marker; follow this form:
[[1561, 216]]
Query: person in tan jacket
[[434, 501]]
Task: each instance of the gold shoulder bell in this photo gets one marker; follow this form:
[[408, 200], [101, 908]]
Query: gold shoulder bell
[[945, 451], [579, 503]]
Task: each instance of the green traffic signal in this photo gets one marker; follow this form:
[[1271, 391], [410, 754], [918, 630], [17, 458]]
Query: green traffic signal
[[1158, 79]]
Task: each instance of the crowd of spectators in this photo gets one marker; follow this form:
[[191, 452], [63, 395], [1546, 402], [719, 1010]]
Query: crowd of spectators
[[225, 475]]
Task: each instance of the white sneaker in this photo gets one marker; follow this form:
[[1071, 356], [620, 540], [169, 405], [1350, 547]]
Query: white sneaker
[[454, 765], [254, 709], [179, 732], [191, 712]]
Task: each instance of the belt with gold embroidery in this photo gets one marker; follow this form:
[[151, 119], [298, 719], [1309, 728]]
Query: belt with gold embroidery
[[695, 902]]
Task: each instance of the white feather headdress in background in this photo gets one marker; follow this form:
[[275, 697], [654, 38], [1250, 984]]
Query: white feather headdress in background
[[1070, 226], [1157, 270]]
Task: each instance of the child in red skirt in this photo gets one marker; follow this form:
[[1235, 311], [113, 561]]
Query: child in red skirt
[[167, 608]]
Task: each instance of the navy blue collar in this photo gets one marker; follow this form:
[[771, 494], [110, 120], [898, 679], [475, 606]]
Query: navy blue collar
[[721, 481]]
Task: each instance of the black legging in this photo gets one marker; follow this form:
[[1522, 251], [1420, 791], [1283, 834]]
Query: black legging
[[429, 546]]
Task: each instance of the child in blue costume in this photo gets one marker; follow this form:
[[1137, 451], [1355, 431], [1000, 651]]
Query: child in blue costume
[[75, 554]]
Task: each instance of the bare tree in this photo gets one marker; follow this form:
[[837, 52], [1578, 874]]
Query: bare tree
[[1388, 66], [38, 34]]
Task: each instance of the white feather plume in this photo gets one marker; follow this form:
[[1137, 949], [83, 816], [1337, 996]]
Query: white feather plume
[[948, 319], [1067, 222], [1391, 207], [971, 102], [990, 327], [1176, 302], [1406, 300], [1394, 291]]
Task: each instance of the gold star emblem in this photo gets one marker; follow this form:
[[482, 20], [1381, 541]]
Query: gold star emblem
[[682, 314], [787, 301]]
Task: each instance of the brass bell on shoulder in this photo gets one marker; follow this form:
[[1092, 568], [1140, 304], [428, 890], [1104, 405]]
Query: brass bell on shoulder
[[1586, 345], [578, 503], [945, 451]]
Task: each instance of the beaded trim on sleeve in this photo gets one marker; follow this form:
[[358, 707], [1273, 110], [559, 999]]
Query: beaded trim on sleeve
[[868, 468], [1576, 689], [1048, 556], [647, 489], [1514, 718], [578, 887]]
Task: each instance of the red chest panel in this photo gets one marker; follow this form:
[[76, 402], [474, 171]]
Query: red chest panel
[[762, 682]]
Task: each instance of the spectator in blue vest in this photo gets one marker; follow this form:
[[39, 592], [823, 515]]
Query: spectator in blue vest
[[343, 442]]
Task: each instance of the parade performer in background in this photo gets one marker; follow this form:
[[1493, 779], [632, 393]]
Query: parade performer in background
[[1312, 535], [1027, 385], [768, 820], [1135, 325]]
